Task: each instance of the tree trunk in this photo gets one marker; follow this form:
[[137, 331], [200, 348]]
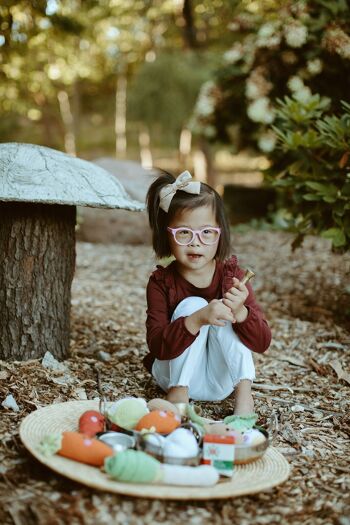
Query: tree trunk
[[145, 150], [211, 176], [37, 260], [68, 123], [120, 116], [76, 111], [189, 29], [184, 147]]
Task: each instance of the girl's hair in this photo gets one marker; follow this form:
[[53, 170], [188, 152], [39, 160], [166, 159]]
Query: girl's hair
[[159, 219]]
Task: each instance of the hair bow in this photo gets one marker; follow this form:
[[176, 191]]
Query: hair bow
[[183, 182]]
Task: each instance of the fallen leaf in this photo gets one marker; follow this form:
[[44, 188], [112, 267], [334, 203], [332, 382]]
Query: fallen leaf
[[341, 374]]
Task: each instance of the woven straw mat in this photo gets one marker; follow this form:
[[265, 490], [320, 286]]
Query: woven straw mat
[[264, 473]]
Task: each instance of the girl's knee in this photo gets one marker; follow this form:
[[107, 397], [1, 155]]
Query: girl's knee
[[188, 306]]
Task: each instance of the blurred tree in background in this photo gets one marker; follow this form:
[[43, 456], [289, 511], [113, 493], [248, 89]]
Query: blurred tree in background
[[117, 76], [65, 60]]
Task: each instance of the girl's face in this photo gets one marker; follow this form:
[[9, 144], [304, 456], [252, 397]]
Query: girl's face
[[196, 255]]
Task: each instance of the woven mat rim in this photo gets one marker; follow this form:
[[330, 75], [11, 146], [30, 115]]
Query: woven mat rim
[[32, 426]]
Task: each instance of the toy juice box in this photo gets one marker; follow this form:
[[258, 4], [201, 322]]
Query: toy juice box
[[219, 451]]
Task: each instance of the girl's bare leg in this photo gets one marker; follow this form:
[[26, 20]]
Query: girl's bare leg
[[178, 394], [244, 403]]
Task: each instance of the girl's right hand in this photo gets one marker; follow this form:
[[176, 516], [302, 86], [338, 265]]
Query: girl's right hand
[[216, 313]]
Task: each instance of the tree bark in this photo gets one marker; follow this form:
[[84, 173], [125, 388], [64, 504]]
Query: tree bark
[[68, 123], [120, 115], [37, 261], [211, 175], [190, 35]]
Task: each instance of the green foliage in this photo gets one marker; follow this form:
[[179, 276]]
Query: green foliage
[[311, 165], [283, 89], [279, 48]]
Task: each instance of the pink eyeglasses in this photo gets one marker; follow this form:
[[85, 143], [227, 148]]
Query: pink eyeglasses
[[185, 236]]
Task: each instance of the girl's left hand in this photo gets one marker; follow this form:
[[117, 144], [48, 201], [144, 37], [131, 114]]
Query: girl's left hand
[[235, 299]]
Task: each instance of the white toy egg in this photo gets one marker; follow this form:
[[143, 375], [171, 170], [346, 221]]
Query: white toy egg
[[175, 451], [184, 440], [155, 439]]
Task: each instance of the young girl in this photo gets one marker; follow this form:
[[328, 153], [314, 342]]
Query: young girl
[[202, 322]]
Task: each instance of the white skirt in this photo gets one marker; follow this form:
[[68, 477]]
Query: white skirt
[[212, 365]]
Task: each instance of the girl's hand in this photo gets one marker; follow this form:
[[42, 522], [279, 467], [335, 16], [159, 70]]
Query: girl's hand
[[235, 299], [216, 313]]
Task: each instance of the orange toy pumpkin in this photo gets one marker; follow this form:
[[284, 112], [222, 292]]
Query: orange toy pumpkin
[[162, 421]]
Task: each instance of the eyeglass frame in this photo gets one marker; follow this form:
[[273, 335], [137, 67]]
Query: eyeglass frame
[[194, 233]]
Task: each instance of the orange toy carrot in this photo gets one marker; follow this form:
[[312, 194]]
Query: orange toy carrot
[[79, 447]]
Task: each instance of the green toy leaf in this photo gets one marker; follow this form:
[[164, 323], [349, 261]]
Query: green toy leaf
[[241, 423], [50, 444]]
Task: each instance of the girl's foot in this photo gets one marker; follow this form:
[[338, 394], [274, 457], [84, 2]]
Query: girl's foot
[[178, 394], [244, 403]]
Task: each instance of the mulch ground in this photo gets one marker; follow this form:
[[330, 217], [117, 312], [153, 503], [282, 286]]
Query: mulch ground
[[302, 384]]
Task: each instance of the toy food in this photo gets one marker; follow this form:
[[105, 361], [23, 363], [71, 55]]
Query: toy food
[[161, 421], [127, 412], [217, 428], [91, 422], [117, 441], [180, 444], [224, 430], [138, 467], [155, 439], [241, 423], [74, 445], [162, 404], [253, 437], [219, 451]]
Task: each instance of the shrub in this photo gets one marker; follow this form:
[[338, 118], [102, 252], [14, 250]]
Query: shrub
[[311, 166]]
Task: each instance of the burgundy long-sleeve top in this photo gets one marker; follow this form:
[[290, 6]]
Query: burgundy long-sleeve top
[[167, 288]]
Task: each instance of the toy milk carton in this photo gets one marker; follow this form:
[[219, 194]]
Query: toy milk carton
[[219, 451]]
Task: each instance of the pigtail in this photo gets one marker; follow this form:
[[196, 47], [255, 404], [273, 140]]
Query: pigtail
[[157, 217]]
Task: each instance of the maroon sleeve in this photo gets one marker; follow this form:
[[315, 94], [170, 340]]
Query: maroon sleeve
[[165, 339], [254, 332]]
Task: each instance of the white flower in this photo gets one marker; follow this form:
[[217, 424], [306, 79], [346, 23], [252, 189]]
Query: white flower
[[303, 95], [204, 107], [266, 30], [314, 66], [252, 89], [337, 41], [295, 83], [267, 142], [295, 34], [234, 54], [268, 36], [257, 86], [346, 51], [261, 111], [205, 103], [271, 42]]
